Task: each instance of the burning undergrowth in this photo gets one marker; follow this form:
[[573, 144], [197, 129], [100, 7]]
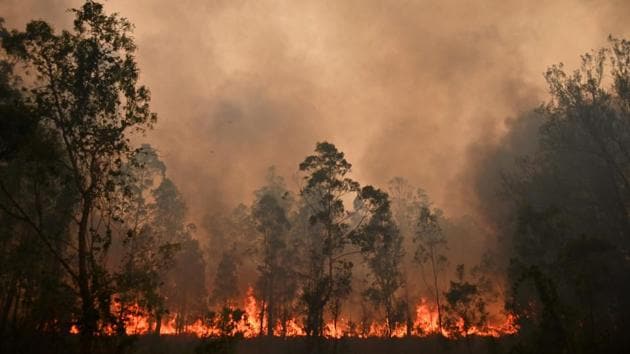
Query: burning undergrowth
[[248, 323]]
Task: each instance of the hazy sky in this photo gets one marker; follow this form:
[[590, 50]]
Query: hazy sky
[[408, 88]]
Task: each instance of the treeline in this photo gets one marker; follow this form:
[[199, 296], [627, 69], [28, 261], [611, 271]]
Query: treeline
[[336, 250], [93, 232], [564, 208]]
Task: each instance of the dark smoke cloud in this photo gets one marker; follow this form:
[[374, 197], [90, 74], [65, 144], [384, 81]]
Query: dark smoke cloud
[[413, 88]]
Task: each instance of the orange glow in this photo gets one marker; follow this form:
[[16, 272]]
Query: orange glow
[[138, 322], [426, 321], [252, 312]]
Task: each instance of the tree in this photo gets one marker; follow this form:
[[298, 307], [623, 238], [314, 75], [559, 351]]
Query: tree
[[142, 264], [183, 288], [184, 283], [85, 87], [405, 201], [34, 290], [571, 202], [587, 123], [466, 307], [381, 245], [225, 291], [18, 120], [430, 243], [232, 236], [270, 215], [328, 278]]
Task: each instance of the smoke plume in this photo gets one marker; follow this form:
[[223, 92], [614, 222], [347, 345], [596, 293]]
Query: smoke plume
[[421, 89]]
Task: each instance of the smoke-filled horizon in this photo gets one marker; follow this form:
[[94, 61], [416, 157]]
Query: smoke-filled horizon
[[417, 89], [328, 175]]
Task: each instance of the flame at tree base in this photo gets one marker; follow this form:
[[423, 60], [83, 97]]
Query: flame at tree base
[[138, 322]]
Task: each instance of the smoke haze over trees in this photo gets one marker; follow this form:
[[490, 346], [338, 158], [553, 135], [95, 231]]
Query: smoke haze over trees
[[316, 173]]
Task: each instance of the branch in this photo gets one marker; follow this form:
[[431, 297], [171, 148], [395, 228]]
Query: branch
[[23, 216], [345, 255]]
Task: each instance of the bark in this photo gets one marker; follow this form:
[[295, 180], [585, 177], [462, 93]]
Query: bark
[[437, 291], [6, 307], [158, 323], [270, 308], [88, 312]]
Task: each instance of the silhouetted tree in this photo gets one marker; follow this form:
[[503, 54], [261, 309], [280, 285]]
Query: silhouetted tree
[[225, 288], [466, 308], [405, 201], [328, 278], [571, 201], [381, 246], [137, 279], [270, 215], [34, 292], [232, 235], [85, 87], [430, 245]]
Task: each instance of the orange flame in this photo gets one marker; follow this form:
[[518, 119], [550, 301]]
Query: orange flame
[[138, 322]]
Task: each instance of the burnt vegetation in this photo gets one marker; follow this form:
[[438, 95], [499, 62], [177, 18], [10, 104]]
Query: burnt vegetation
[[98, 254]]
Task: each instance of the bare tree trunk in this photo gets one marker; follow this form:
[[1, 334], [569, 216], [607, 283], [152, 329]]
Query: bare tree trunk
[[158, 322], [88, 313], [6, 306], [409, 319], [437, 291], [16, 307], [270, 307], [261, 317], [388, 315], [122, 329]]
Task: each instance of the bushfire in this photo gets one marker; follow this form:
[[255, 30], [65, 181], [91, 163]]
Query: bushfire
[[252, 324]]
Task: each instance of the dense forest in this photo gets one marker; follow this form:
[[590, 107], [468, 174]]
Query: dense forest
[[98, 253]]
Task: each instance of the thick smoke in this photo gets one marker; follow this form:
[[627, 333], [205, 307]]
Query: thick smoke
[[413, 88]]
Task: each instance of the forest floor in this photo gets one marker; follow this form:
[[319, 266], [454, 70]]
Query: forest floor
[[183, 344]]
